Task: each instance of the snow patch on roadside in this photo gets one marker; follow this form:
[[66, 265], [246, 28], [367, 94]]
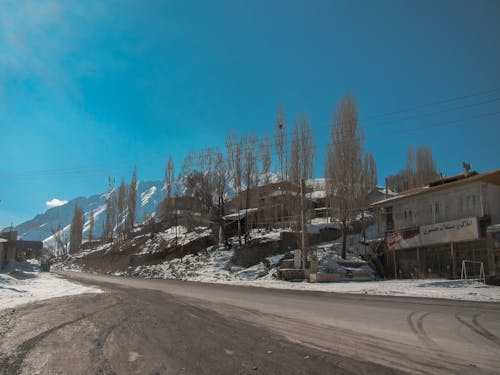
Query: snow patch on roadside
[[467, 290], [23, 283]]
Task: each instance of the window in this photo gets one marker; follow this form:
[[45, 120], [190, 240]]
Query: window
[[389, 219]]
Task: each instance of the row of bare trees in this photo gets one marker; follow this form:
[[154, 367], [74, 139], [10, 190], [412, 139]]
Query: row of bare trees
[[420, 169], [207, 175], [212, 176], [120, 209]]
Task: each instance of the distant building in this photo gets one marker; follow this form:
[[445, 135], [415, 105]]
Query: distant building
[[451, 213], [13, 249]]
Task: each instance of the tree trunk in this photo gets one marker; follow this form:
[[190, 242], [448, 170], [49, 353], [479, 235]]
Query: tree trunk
[[344, 239]]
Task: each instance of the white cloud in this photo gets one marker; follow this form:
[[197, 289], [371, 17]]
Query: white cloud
[[55, 203]]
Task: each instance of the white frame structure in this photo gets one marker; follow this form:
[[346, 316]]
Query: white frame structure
[[463, 275]]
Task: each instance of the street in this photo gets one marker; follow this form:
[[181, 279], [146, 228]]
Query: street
[[166, 326]]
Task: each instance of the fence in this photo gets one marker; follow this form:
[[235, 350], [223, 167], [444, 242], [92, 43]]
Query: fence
[[439, 261]]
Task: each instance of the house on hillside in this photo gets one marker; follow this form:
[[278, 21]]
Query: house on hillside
[[13, 249], [430, 230], [276, 202]]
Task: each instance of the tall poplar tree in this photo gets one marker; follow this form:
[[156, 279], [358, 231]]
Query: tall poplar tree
[[344, 163]]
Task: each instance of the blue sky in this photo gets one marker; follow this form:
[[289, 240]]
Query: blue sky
[[90, 89]]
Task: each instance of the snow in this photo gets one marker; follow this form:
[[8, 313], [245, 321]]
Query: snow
[[467, 290], [319, 194], [145, 196], [240, 214], [215, 266], [21, 283], [265, 235], [173, 236]]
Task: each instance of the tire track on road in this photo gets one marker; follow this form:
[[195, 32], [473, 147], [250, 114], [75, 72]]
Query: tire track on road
[[476, 327], [12, 364], [418, 328]]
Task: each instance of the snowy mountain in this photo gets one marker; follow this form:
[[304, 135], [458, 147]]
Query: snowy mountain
[[149, 195]]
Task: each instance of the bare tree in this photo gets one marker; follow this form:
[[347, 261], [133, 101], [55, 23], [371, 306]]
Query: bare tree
[[110, 211], [306, 149], [294, 172], [410, 171], [206, 162], [235, 169], [425, 167], [220, 182], [166, 204], [369, 173], [76, 230], [121, 214], [250, 171], [301, 158], [91, 226], [265, 153], [169, 178], [368, 184], [280, 140], [265, 157], [343, 164], [420, 169], [132, 201], [61, 243]]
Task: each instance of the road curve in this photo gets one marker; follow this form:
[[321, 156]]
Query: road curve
[[311, 331]]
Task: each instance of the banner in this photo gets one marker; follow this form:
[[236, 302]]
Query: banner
[[450, 231], [403, 239]]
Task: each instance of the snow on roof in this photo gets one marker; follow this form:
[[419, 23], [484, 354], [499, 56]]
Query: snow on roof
[[383, 190], [239, 214], [318, 194]]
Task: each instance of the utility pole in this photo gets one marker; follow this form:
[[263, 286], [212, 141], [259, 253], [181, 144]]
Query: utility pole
[[302, 224]]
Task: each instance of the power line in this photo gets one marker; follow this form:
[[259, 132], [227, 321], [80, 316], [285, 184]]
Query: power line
[[92, 170]]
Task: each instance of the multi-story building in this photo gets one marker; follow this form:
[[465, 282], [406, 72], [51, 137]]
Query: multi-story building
[[453, 212]]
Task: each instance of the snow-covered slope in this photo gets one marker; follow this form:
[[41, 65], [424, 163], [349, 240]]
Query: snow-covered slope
[[149, 195]]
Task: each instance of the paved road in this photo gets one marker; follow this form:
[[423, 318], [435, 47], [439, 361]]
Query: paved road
[[158, 326]]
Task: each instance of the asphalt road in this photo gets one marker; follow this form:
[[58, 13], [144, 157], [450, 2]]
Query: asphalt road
[[163, 326]]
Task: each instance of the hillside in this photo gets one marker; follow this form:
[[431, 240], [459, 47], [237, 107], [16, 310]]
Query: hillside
[[149, 195]]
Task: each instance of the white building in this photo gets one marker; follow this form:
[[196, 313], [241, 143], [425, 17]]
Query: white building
[[450, 210]]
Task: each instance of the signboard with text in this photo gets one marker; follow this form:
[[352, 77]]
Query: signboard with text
[[403, 239], [450, 231]]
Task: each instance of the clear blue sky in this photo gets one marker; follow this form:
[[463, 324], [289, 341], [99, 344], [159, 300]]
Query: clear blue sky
[[88, 89]]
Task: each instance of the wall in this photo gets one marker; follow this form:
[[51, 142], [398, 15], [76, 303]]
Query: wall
[[492, 201]]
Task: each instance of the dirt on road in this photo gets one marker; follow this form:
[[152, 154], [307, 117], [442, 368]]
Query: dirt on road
[[140, 331]]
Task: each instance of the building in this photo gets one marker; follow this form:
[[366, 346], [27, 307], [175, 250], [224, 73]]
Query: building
[[13, 249], [447, 220]]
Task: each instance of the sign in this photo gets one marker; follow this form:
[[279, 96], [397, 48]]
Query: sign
[[450, 231], [404, 239]]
